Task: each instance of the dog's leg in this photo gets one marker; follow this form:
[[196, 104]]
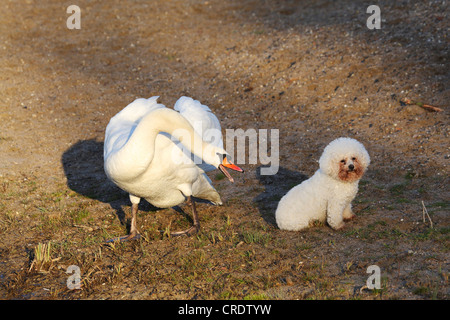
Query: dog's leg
[[348, 213], [335, 215]]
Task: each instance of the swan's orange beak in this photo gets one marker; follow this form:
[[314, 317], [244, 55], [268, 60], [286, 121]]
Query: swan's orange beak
[[227, 164]]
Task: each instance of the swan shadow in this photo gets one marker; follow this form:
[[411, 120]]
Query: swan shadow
[[83, 168], [275, 187]]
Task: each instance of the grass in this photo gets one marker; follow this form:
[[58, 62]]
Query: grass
[[375, 231], [440, 234], [219, 176], [79, 215], [42, 259], [236, 254], [398, 189], [430, 288], [256, 237]]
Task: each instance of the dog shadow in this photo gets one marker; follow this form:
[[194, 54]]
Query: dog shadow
[[83, 168], [275, 187]]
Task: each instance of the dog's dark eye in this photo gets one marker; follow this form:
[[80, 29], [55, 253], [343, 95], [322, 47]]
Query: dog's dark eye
[[353, 158], [343, 161]]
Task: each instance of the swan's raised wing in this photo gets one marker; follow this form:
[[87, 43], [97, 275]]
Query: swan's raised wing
[[205, 124], [122, 125]]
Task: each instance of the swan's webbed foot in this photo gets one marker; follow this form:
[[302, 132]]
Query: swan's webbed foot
[[188, 232], [134, 234], [196, 222], [125, 238]]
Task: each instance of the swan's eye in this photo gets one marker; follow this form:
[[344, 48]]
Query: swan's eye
[[221, 156]]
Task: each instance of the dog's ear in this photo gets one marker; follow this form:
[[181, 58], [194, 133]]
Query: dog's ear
[[329, 164], [364, 158]]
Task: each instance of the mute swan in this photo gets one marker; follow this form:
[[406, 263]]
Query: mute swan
[[161, 155]]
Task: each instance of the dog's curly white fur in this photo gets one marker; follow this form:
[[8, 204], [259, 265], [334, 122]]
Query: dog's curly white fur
[[328, 194]]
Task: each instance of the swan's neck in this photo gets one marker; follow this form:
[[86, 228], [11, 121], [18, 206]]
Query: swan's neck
[[137, 154]]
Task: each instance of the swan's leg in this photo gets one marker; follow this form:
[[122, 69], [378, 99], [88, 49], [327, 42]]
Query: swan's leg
[[134, 234], [196, 222]]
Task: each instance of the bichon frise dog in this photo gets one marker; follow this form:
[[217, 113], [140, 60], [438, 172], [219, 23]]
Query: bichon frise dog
[[328, 194]]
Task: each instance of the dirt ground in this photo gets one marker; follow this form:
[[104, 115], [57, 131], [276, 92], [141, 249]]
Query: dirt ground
[[311, 69]]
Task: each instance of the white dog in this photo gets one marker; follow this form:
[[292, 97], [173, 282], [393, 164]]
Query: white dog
[[328, 194]]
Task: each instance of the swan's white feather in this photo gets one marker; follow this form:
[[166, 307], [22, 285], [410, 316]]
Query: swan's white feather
[[122, 125], [163, 182], [205, 123]]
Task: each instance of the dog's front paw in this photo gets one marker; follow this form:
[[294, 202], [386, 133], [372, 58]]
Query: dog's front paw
[[339, 226], [350, 217]]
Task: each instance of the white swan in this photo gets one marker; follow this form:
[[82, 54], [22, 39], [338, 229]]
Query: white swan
[[161, 155]]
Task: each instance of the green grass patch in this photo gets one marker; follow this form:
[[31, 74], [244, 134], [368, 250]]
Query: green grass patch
[[257, 237], [79, 215]]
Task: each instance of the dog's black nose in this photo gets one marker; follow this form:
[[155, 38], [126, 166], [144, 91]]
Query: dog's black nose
[[351, 167]]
